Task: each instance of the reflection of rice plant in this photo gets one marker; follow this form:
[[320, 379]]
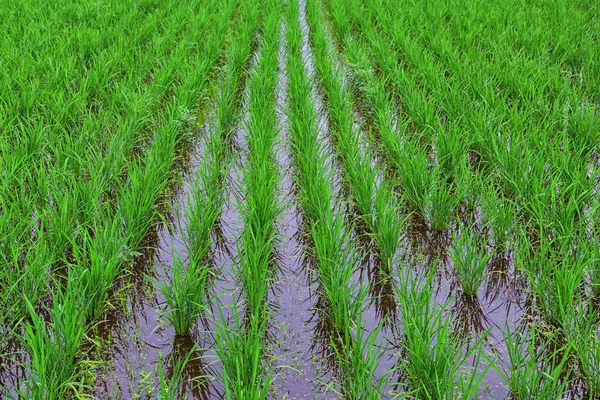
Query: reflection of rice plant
[[170, 381], [470, 259]]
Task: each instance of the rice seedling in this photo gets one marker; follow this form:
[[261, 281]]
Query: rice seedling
[[372, 197], [450, 151], [240, 348], [442, 202], [241, 343], [470, 258], [499, 216], [186, 292], [54, 349], [432, 360], [415, 177], [585, 342], [594, 268], [93, 239], [185, 295], [555, 277], [535, 370]]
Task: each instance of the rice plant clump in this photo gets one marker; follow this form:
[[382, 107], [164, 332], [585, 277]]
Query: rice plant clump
[[470, 259], [185, 294]]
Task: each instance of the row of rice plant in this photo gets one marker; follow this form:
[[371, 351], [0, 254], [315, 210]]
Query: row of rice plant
[[101, 246], [433, 187], [372, 194], [354, 351], [241, 342], [540, 212], [187, 292]]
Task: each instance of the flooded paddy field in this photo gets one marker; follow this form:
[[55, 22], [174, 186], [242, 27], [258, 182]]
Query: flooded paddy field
[[301, 199]]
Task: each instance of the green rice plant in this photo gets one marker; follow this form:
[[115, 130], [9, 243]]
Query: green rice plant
[[99, 262], [535, 370], [593, 269], [132, 211], [555, 277], [450, 151], [433, 357], [206, 200], [240, 346], [470, 258], [359, 358], [585, 343], [415, 177], [389, 224], [185, 294], [330, 230], [499, 214], [241, 342], [336, 265], [207, 196], [54, 348], [371, 192], [442, 202], [26, 276], [383, 221]]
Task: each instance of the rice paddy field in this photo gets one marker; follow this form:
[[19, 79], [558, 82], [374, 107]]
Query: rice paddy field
[[300, 199]]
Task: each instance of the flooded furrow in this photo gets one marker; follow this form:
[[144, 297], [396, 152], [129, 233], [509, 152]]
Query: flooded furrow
[[293, 293], [380, 316]]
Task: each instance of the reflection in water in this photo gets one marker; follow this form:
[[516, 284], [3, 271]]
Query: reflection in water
[[196, 373], [468, 316]]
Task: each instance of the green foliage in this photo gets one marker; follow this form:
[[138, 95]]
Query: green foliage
[[535, 369], [458, 114], [185, 295], [433, 356], [470, 257]]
